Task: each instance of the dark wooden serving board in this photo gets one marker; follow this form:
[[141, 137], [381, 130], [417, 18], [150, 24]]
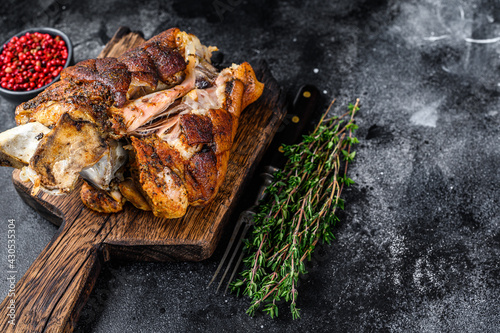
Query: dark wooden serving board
[[51, 294]]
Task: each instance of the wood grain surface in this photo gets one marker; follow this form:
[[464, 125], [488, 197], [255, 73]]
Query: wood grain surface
[[51, 294]]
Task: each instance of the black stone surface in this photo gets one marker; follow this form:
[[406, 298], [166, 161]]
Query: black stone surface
[[419, 244]]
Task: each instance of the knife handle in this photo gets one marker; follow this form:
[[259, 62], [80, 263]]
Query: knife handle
[[305, 103]]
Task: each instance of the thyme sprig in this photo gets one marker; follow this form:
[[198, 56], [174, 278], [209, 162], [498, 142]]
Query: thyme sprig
[[298, 211]]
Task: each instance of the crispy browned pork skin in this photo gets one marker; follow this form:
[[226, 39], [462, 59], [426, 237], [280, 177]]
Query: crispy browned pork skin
[[163, 104]]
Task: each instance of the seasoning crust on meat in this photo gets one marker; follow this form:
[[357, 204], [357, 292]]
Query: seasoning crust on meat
[[154, 127]]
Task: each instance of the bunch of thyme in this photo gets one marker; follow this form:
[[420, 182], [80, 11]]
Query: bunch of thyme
[[298, 211]]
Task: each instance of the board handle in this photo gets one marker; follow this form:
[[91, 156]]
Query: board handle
[[51, 294]]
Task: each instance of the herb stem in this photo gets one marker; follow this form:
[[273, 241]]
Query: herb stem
[[298, 212]]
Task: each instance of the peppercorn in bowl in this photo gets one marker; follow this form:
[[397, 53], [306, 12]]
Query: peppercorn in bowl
[[32, 60]]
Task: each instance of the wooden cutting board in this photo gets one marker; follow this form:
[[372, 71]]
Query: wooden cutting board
[[49, 297]]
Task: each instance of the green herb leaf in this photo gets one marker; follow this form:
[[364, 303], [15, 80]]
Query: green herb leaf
[[297, 212]]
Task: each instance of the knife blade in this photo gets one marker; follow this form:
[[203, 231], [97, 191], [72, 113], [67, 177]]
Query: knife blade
[[305, 103]]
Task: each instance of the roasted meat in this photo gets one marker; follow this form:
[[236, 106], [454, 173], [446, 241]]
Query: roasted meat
[[65, 151], [154, 127], [100, 200]]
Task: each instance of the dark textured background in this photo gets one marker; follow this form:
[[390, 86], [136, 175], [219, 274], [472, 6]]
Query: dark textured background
[[419, 243]]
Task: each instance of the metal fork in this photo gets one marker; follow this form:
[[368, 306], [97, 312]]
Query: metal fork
[[243, 224]]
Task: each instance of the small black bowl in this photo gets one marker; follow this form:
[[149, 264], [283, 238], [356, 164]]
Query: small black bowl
[[18, 97]]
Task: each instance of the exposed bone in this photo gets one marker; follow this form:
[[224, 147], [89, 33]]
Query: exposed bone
[[18, 144], [101, 173]]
